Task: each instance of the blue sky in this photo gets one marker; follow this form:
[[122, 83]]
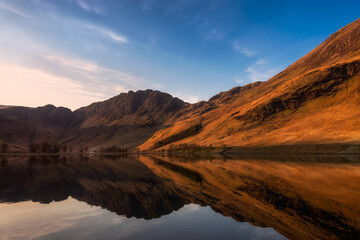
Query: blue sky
[[74, 52]]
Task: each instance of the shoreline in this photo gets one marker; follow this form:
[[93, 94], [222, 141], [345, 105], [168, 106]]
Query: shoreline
[[296, 149]]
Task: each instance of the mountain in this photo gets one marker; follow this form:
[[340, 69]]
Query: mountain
[[126, 120], [21, 125], [141, 108], [313, 101]]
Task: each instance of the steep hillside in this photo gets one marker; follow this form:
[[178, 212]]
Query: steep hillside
[[126, 120], [313, 101], [21, 125]]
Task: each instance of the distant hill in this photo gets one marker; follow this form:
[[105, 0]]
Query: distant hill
[[126, 120]]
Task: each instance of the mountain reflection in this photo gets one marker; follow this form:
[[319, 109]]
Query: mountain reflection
[[125, 186], [301, 198]]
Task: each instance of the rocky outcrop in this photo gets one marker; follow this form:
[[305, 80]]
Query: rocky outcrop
[[226, 97], [141, 108]]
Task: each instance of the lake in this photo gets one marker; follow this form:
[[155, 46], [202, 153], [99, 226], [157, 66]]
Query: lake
[[195, 197]]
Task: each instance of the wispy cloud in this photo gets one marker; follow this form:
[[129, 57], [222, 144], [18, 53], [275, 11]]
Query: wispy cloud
[[91, 72], [191, 99], [63, 80], [75, 64], [65, 22], [15, 10], [258, 71], [87, 6], [239, 80], [107, 33], [147, 5], [186, 97], [115, 37], [260, 74], [215, 34], [36, 87], [261, 61], [238, 47]]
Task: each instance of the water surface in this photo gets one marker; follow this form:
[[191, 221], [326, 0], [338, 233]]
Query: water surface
[[207, 197]]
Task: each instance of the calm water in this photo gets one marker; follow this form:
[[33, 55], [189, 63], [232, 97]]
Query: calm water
[[144, 197]]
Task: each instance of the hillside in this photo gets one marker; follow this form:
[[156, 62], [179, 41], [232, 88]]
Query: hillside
[[126, 120], [21, 125], [314, 101]]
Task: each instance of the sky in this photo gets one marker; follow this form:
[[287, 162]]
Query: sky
[[74, 52]]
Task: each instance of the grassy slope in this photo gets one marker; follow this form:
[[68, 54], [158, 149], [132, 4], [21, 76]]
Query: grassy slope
[[330, 72]]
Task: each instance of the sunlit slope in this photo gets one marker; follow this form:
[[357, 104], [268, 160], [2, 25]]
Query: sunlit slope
[[314, 101]]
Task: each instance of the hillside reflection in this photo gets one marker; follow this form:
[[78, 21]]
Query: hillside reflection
[[300, 197]]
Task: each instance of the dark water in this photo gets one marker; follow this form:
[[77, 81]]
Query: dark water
[[208, 197]]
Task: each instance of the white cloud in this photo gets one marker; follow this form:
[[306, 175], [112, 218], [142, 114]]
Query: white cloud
[[258, 71], [91, 72], [88, 7], [75, 64], [244, 50], [35, 87], [260, 74], [15, 10], [186, 97], [191, 99], [109, 34], [115, 37], [261, 61], [214, 34], [239, 80], [76, 25], [63, 81]]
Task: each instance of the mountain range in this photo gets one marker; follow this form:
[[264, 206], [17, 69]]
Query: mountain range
[[315, 101]]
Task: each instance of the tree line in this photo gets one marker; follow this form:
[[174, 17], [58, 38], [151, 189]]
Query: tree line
[[46, 147], [113, 149]]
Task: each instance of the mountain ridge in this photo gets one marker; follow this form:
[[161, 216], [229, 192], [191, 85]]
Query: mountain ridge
[[140, 112], [313, 101], [276, 111]]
